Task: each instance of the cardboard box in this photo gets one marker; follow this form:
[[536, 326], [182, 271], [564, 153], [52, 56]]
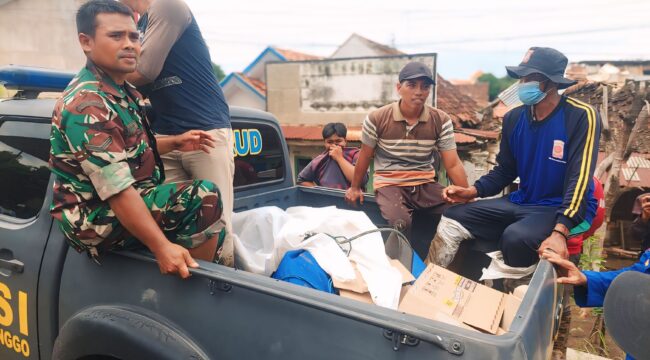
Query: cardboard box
[[438, 292], [359, 285], [366, 298], [357, 289], [511, 305]]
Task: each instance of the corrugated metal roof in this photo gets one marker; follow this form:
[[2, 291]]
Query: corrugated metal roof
[[638, 162], [630, 174], [510, 97]]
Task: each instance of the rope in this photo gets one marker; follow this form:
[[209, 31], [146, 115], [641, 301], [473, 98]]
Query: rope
[[342, 240]]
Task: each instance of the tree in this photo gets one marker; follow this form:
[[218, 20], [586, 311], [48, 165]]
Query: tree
[[497, 85], [218, 72]]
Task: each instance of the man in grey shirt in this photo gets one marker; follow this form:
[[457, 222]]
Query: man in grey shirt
[[176, 68]]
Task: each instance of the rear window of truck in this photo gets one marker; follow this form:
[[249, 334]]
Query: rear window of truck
[[259, 155]]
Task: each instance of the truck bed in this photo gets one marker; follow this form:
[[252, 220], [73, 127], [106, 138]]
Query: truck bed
[[233, 314]]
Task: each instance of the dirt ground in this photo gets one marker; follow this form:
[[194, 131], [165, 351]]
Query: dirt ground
[[582, 321]]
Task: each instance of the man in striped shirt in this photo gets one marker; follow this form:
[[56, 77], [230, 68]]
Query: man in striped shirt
[[403, 137]]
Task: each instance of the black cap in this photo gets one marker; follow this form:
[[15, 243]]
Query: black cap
[[542, 60], [627, 312], [416, 70]]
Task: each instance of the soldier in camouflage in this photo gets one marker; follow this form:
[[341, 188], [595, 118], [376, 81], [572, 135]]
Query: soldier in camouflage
[[108, 191]]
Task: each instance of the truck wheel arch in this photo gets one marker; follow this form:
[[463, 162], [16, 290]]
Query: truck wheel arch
[[122, 333]]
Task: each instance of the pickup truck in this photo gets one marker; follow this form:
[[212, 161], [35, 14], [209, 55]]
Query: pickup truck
[[58, 304]]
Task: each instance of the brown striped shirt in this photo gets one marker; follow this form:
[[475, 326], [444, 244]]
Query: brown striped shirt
[[403, 156]]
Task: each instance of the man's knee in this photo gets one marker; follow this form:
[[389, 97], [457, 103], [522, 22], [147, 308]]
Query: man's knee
[[454, 212], [519, 245], [204, 197], [401, 223]]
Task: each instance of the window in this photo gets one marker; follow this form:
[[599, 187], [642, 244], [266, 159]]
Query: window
[[301, 163], [24, 173], [259, 155]]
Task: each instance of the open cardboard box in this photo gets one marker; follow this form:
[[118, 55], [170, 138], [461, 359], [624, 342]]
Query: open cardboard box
[[442, 295], [357, 289]]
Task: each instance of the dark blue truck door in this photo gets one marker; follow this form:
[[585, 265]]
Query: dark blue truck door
[[24, 227]]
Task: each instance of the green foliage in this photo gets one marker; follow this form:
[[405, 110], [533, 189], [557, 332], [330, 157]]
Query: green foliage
[[497, 85], [218, 72], [592, 259], [592, 254]]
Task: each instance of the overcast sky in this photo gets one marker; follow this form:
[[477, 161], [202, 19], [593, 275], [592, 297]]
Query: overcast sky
[[468, 35]]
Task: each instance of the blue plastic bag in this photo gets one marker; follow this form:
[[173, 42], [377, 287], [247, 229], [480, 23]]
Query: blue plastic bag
[[299, 267]]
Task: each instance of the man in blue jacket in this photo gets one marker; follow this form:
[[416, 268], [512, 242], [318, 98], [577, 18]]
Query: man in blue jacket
[[551, 145], [590, 287]]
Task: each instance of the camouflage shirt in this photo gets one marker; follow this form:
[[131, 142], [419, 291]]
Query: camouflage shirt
[[100, 147]]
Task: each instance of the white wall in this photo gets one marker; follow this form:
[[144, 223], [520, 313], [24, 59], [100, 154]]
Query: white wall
[[355, 47], [318, 92], [40, 33], [237, 95], [259, 70]]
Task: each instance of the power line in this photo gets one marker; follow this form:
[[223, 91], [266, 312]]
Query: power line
[[443, 42], [529, 36]]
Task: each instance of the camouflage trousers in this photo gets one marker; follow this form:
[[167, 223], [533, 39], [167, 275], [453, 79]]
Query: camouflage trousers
[[188, 213]]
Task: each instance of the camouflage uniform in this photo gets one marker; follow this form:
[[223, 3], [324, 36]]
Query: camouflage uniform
[[102, 145]]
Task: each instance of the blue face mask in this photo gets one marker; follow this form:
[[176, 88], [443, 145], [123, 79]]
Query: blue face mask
[[529, 93]]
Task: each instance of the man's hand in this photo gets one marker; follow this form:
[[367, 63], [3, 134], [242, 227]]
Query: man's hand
[[455, 194], [569, 272], [194, 140], [336, 152], [353, 194], [645, 206], [174, 259], [557, 244]]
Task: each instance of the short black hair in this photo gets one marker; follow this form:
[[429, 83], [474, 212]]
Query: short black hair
[[335, 128], [87, 13]]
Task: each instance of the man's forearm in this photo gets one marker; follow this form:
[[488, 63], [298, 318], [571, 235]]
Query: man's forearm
[[166, 144], [346, 168], [457, 175], [361, 168], [136, 218], [137, 79], [307, 183]]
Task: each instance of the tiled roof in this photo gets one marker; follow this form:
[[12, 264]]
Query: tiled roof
[[314, 133], [258, 84], [484, 134], [291, 55], [478, 91], [461, 108], [500, 110]]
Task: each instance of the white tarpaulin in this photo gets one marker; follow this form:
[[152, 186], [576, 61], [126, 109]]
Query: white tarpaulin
[[499, 270], [264, 235]]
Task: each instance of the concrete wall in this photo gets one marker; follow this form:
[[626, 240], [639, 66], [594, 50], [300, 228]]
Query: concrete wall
[[40, 33], [318, 92]]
